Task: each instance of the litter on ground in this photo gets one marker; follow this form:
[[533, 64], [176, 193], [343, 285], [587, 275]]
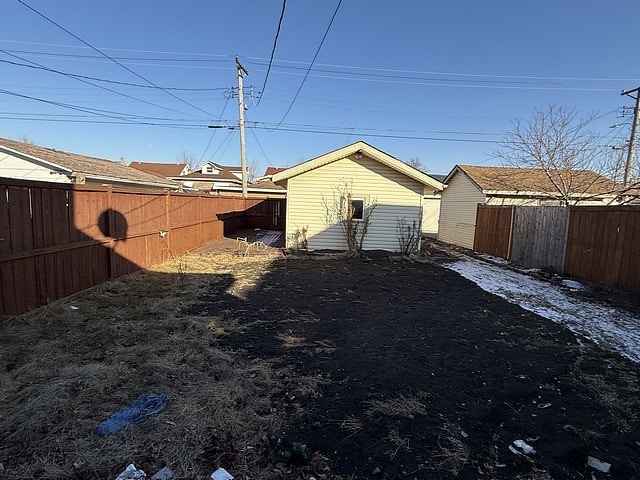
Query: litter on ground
[[138, 411], [221, 474], [132, 473]]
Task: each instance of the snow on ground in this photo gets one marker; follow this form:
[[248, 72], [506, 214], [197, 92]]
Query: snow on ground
[[611, 328]]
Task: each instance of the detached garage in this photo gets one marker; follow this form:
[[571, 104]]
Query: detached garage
[[397, 190], [470, 185]]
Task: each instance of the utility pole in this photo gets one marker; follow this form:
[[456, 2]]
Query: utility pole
[[632, 140], [243, 150]]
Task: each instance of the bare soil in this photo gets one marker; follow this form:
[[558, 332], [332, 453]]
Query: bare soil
[[383, 368]]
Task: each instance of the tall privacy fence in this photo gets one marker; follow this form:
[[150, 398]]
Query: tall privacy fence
[[596, 244], [59, 239]]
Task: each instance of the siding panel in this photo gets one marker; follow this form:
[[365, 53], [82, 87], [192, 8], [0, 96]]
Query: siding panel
[[397, 196], [458, 211]]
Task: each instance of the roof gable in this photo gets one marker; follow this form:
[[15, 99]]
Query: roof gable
[[161, 169], [354, 149]]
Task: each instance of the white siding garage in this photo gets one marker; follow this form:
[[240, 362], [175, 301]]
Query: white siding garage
[[458, 211], [396, 188]]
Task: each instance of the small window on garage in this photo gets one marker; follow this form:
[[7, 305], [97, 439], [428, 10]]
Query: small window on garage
[[357, 208]]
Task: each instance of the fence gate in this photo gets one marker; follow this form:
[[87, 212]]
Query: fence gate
[[539, 236]]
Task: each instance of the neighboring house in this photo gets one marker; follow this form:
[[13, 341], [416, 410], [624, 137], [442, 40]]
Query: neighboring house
[[271, 171], [25, 161], [468, 185], [167, 170], [396, 188], [211, 177]]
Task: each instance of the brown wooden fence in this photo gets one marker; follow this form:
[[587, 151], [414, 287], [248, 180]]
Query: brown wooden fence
[[58, 239], [539, 236], [493, 230], [603, 246], [596, 244]]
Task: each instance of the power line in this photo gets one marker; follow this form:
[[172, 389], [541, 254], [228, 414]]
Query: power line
[[273, 51], [45, 68], [408, 137], [142, 59], [356, 67], [110, 58], [215, 130], [310, 65], [93, 111], [226, 142], [119, 49], [97, 79], [260, 146], [444, 84], [428, 72], [401, 76]]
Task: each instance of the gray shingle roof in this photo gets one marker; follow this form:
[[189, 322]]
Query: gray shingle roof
[[91, 166]]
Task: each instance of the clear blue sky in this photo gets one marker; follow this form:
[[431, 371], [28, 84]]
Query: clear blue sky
[[437, 70]]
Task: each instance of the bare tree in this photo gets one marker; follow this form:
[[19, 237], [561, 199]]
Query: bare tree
[[27, 140], [354, 219], [416, 163], [563, 146], [252, 170], [188, 158]]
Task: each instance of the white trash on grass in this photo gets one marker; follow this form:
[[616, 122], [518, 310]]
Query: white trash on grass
[[611, 328], [221, 474], [132, 473]]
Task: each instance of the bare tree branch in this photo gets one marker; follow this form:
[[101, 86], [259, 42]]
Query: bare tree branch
[[563, 146]]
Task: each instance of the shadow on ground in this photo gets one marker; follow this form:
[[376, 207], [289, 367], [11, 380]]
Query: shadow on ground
[[384, 368]]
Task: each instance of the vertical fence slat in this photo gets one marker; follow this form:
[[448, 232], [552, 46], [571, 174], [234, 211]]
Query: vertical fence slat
[[56, 240]]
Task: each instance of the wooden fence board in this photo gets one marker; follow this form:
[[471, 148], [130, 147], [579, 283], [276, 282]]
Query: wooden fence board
[[493, 230], [57, 239], [596, 244], [603, 246], [539, 236], [5, 226]]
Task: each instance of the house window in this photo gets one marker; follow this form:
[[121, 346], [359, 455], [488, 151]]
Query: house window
[[357, 208]]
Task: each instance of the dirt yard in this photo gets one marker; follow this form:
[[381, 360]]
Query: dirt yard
[[292, 368]]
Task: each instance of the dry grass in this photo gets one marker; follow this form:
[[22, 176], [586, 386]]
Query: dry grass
[[400, 406], [62, 371], [621, 404], [398, 443], [452, 452]]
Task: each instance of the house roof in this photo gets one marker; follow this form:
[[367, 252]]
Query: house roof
[[223, 175], [369, 151], [160, 169], [273, 170], [92, 167], [232, 168], [267, 185], [520, 180], [438, 176]]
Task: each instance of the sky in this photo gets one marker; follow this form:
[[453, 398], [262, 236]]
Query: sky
[[438, 81]]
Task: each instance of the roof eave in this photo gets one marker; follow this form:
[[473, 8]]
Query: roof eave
[[44, 163], [124, 180]]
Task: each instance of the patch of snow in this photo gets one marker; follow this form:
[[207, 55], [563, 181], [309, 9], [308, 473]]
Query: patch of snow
[[491, 258], [611, 328], [572, 284]]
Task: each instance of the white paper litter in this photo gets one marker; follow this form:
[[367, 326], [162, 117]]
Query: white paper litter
[[523, 447], [612, 328], [132, 473], [221, 474], [599, 465]]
